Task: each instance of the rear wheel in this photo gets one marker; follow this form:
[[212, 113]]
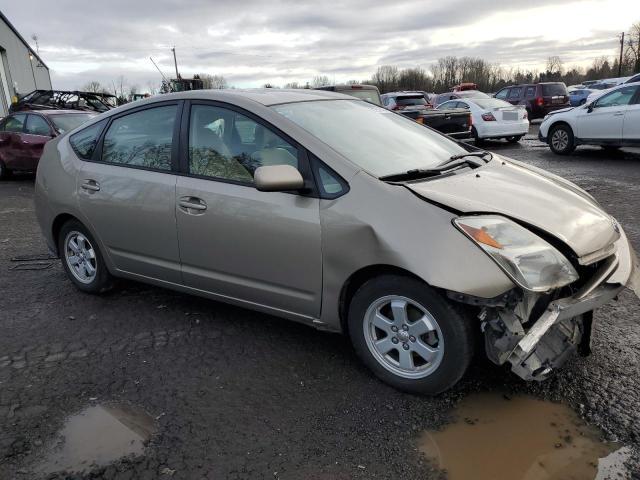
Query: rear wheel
[[82, 259], [514, 139], [561, 140], [4, 171], [409, 336]]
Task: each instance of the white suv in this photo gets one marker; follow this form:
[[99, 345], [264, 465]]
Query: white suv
[[611, 121]]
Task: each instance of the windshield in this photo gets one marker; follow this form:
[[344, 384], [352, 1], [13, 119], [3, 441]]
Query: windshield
[[64, 123], [368, 95], [487, 103], [375, 139]]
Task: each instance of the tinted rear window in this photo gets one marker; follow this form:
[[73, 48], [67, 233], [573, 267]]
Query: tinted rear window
[[411, 100], [552, 89], [67, 122]]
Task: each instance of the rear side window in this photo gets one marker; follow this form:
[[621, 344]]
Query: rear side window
[[554, 89], [141, 139], [36, 125], [531, 92], [84, 142], [15, 123]]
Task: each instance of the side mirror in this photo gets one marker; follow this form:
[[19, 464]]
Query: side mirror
[[590, 107], [278, 178]]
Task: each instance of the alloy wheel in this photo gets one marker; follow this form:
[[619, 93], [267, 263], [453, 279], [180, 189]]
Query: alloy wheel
[[403, 337], [560, 139], [80, 257]]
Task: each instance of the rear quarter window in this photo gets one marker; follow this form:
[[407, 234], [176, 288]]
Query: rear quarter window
[[84, 142]]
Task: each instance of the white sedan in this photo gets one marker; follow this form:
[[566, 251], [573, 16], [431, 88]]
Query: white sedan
[[611, 121], [492, 118]]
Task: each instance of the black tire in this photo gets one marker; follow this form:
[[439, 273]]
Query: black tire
[[4, 171], [458, 337], [515, 139], [561, 147], [476, 139], [102, 279]]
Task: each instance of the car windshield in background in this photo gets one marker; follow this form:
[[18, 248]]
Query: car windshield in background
[[377, 140], [368, 95], [552, 89], [487, 103], [417, 100], [66, 122]]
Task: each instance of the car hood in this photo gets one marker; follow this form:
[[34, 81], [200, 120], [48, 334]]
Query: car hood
[[529, 195], [561, 110]]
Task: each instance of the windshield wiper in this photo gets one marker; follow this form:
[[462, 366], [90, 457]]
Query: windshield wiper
[[480, 154], [452, 163]]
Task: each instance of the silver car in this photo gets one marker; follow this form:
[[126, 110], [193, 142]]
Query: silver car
[[333, 212]]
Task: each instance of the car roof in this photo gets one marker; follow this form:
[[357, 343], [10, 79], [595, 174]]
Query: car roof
[[403, 94], [264, 96], [49, 112]]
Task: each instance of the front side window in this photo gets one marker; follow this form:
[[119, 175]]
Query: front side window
[[502, 94], [84, 142], [228, 145], [531, 92], [373, 138], [15, 123], [36, 125], [618, 98], [141, 139]]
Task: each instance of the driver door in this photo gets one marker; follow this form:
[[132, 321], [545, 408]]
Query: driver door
[[604, 119]]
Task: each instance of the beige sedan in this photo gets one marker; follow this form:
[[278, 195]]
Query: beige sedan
[[337, 213]]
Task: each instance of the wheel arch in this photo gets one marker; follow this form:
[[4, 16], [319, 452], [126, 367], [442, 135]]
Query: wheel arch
[[57, 224], [359, 278], [558, 123]]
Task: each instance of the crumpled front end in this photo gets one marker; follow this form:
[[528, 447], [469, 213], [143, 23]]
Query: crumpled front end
[[537, 332]]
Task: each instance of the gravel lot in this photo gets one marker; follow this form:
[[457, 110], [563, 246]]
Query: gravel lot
[[237, 394]]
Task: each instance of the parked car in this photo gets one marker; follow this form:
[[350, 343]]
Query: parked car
[[364, 222], [579, 96], [443, 97], [492, 118], [464, 86], [604, 88], [538, 98], [456, 123], [611, 121], [64, 100], [370, 93], [24, 134]]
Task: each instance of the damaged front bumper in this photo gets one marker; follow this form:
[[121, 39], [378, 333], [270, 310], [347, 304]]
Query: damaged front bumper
[[535, 348]]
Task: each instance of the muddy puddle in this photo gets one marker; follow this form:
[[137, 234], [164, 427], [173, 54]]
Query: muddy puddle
[[98, 435], [495, 437]]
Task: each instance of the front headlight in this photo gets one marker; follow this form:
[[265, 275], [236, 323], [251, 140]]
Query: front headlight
[[531, 262]]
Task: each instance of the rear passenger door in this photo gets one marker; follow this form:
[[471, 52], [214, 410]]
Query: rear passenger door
[[10, 141], [237, 243], [126, 189]]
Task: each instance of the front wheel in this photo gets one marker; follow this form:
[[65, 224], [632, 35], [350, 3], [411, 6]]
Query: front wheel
[[82, 259], [409, 336], [561, 140], [477, 140]]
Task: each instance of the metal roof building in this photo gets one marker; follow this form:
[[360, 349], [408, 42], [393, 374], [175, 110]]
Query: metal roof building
[[21, 69]]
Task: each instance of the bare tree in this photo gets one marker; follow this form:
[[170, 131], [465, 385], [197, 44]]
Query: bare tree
[[292, 85], [554, 64], [385, 78], [119, 89], [320, 81], [93, 86], [633, 47], [215, 82]]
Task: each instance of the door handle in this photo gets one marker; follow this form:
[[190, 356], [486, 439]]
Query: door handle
[[90, 185], [192, 203]]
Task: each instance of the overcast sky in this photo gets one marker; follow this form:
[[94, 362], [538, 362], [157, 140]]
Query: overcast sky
[[254, 42]]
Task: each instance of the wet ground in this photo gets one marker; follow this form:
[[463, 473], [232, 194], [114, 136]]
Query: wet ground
[[225, 393]]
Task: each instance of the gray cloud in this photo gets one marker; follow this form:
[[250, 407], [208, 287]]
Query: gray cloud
[[252, 42]]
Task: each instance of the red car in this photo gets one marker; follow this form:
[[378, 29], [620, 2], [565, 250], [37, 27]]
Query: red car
[[23, 135]]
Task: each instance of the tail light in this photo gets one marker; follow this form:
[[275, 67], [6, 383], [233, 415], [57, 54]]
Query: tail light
[[470, 121], [488, 117], [539, 101]]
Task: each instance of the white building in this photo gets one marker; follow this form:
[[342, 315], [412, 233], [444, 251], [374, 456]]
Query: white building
[[21, 69]]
